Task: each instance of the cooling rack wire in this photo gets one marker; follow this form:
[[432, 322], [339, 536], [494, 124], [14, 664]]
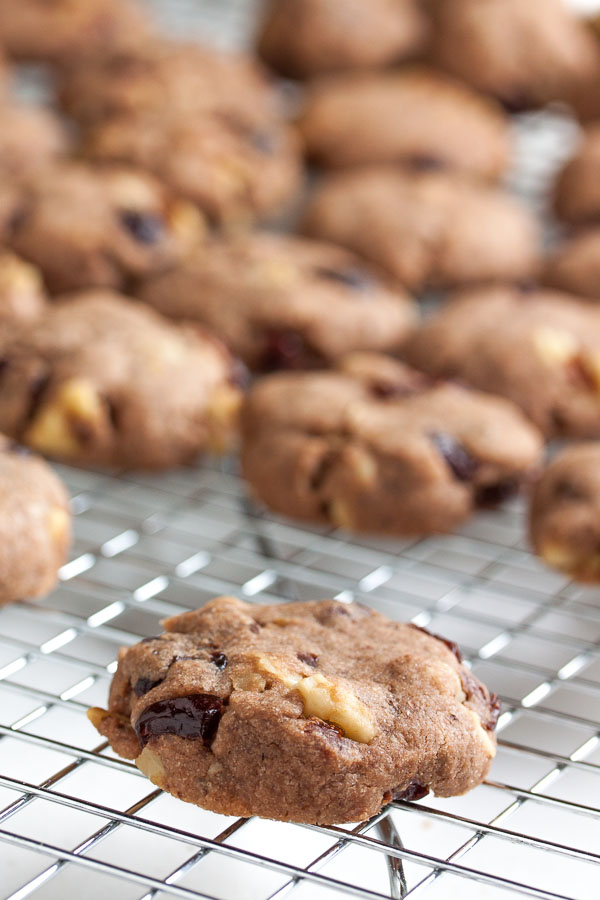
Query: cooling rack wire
[[77, 821]]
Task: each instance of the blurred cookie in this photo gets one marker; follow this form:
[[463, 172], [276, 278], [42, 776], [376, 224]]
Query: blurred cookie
[[375, 447], [575, 265], [417, 116], [283, 301], [31, 138], [22, 296], [316, 712], [166, 75], [86, 226], [564, 520], [539, 348], [526, 54], [35, 524], [577, 191], [427, 229], [303, 38], [234, 168], [60, 30], [102, 380]]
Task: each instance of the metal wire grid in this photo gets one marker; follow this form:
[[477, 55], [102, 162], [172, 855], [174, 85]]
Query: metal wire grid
[[77, 821]]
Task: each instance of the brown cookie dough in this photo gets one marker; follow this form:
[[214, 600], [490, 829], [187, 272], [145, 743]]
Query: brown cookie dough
[[303, 38], [59, 31], [575, 266], [22, 297], [86, 226], [235, 168], [166, 75], [577, 191], [31, 138], [103, 380], [524, 52], [35, 524], [540, 348], [307, 712], [415, 116], [426, 229], [280, 301], [564, 520], [375, 447]]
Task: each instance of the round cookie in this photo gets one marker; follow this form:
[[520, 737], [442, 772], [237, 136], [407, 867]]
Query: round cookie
[[303, 38], [280, 301], [62, 30], [415, 116], [166, 75], [541, 349], [575, 266], [35, 524], [375, 447], [22, 297], [523, 53], [85, 226], [426, 228], [103, 380], [235, 168], [31, 138], [577, 190], [564, 518], [316, 712]]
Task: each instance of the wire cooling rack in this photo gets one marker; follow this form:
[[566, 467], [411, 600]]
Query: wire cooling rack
[[76, 821]]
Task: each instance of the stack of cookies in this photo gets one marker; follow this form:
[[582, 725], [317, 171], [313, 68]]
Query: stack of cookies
[[178, 223]]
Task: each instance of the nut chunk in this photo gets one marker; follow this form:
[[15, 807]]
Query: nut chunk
[[315, 712]]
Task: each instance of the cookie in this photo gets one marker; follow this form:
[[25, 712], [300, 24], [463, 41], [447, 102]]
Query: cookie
[[31, 138], [22, 296], [35, 524], [577, 190], [523, 53], [575, 266], [426, 228], [316, 712], [234, 168], [375, 447], [539, 348], [564, 520], [62, 30], [415, 116], [85, 226], [281, 301], [166, 75], [304, 38], [102, 380]]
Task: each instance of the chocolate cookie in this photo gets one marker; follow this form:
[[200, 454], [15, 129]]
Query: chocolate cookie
[[102, 380], [234, 168], [565, 513], [524, 53], [577, 191], [376, 447], [307, 712], [303, 38], [35, 524], [61, 30], [426, 229], [415, 116], [284, 302], [22, 297], [31, 138], [166, 75], [539, 348], [85, 226], [575, 266]]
